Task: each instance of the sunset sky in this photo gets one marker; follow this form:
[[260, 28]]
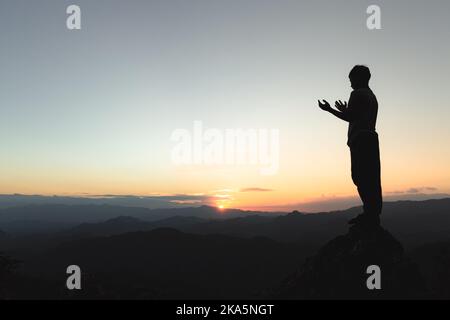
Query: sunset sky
[[91, 112]]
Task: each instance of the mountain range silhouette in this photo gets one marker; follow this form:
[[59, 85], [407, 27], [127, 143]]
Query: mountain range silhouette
[[190, 253]]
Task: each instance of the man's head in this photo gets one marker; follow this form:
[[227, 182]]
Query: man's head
[[359, 77]]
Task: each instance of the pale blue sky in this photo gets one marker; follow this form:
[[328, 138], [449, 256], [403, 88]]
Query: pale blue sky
[[106, 98]]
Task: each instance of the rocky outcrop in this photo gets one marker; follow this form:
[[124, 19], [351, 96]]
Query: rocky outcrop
[[339, 270]]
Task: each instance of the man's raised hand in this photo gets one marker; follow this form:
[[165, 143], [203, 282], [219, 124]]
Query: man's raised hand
[[341, 106], [324, 105]]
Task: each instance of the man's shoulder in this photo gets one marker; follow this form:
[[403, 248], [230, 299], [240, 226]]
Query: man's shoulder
[[362, 94]]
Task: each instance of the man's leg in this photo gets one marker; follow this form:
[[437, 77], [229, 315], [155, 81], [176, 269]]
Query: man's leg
[[370, 181], [365, 158]]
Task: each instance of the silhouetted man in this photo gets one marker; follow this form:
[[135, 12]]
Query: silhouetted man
[[361, 114]]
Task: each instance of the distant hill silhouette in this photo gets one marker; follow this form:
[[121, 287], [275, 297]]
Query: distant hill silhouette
[[129, 224], [51, 218], [165, 263], [412, 222], [54, 217]]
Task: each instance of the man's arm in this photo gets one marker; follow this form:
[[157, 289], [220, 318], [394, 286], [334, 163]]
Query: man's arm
[[350, 113], [356, 106], [339, 114]]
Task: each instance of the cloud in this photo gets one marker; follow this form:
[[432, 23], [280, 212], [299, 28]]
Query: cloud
[[254, 189], [150, 201], [413, 190], [191, 202], [319, 204], [322, 204], [224, 191], [334, 203], [423, 189]]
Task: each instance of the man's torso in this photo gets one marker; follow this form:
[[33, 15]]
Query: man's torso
[[364, 103]]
